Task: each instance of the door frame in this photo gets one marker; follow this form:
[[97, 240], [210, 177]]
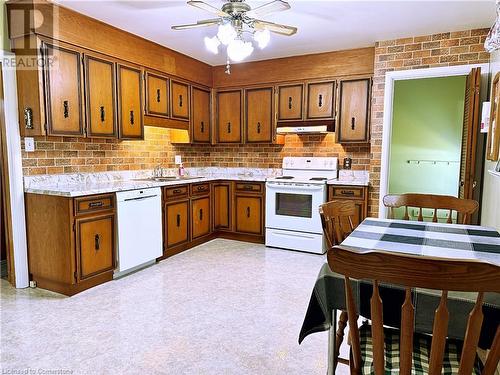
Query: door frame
[[17, 249], [390, 79]]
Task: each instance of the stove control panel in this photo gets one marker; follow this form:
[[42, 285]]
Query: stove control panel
[[315, 163]]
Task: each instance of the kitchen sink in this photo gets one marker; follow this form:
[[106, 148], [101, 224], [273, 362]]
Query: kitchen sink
[[169, 178]]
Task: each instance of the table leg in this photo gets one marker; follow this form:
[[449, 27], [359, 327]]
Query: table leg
[[332, 344]]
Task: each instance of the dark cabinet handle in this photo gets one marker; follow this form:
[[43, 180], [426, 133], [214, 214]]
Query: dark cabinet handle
[[180, 100], [178, 220], [103, 114], [177, 191], [258, 127], [229, 127], [248, 187], [202, 127], [320, 100], [95, 204], [200, 188], [66, 109], [353, 123], [201, 214], [289, 102], [28, 118], [158, 95], [248, 212], [97, 242], [131, 117], [347, 192]]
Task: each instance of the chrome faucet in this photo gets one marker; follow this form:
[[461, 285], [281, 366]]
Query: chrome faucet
[[158, 171]]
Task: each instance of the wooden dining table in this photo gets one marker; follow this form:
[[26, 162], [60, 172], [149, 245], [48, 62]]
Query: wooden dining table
[[437, 240]]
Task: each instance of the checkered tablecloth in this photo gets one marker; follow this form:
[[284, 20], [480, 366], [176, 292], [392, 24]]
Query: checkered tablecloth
[[415, 238], [427, 239]]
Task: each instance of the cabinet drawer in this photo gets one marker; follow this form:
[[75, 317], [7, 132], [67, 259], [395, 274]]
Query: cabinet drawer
[[248, 186], [200, 189], [176, 192], [99, 203], [347, 192]]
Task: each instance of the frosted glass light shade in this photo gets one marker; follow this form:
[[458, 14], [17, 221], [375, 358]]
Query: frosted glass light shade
[[226, 33], [212, 44], [238, 50], [262, 37]]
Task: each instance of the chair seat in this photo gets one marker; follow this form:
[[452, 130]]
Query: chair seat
[[421, 353]]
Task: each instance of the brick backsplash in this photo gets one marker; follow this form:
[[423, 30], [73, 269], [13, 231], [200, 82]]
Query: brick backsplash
[[68, 155], [426, 51]]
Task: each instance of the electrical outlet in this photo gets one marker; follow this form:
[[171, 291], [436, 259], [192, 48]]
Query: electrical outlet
[[29, 144], [178, 159]]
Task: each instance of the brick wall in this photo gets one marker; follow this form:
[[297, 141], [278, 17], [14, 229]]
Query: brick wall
[[67, 155], [428, 51]]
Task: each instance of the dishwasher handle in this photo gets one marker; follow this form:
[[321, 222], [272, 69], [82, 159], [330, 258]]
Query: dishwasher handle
[[140, 198]]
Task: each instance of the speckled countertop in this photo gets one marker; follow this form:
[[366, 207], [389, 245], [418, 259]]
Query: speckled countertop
[[352, 178], [81, 184]]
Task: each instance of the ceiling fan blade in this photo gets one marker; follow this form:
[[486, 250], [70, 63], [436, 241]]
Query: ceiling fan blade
[[211, 22], [275, 27], [272, 7], [209, 8]]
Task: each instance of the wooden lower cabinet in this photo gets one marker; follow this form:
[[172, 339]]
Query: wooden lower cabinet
[[200, 217], [356, 194], [222, 204], [71, 241], [249, 218], [176, 223]]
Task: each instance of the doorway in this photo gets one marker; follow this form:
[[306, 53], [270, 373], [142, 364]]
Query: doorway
[[430, 133]]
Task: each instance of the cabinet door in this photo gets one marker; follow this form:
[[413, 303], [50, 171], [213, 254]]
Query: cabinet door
[[229, 117], [201, 115], [100, 96], [130, 102], [222, 205], [248, 214], [180, 100], [95, 245], [354, 111], [259, 114], [157, 88], [177, 223], [320, 100], [291, 101], [63, 90], [200, 217]]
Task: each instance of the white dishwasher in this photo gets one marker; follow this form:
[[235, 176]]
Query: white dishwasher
[[139, 221]]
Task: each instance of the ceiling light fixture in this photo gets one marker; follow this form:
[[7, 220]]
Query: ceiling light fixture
[[236, 19]]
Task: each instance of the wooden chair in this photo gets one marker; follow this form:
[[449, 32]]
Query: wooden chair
[[337, 222], [464, 207], [414, 272]]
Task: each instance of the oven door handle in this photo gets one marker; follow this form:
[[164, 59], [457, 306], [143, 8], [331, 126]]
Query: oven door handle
[[294, 187]]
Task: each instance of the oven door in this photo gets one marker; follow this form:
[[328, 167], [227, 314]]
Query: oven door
[[294, 207]]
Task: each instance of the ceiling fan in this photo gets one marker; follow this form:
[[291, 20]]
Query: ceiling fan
[[236, 18]]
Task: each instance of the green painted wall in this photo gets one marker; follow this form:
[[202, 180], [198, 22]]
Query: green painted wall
[[4, 40], [426, 125]]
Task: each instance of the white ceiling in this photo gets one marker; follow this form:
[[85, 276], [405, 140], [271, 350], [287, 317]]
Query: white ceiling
[[322, 25]]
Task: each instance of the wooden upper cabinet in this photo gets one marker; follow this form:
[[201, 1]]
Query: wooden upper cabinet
[[130, 102], [229, 116], [259, 114], [201, 104], [354, 111], [63, 90], [157, 90], [100, 97], [320, 100], [290, 102], [179, 100]]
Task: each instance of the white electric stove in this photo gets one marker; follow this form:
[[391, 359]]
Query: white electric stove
[[293, 200]]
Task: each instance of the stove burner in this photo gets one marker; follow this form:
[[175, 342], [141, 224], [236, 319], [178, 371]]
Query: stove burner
[[284, 177], [318, 179]]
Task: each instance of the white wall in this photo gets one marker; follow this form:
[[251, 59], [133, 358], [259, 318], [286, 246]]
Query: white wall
[[490, 210]]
